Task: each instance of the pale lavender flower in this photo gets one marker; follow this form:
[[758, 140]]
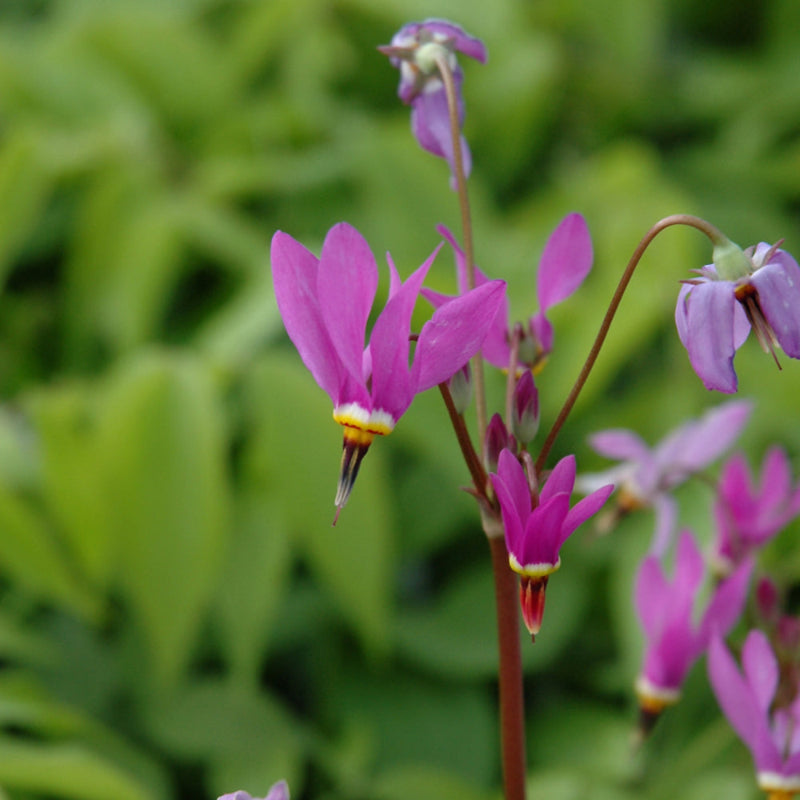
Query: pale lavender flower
[[536, 527], [414, 50], [666, 609], [325, 304], [566, 261], [748, 516], [645, 476], [279, 791], [758, 288], [770, 730]]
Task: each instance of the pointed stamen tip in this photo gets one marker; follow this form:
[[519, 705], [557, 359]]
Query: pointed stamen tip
[[336, 516]]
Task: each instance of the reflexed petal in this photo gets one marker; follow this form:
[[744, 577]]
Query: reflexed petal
[[709, 317], [620, 444], [543, 532], [346, 284], [695, 445], [561, 479], [778, 285], [666, 514], [454, 334], [760, 670], [584, 509], [462, 41], [776, 479], [392, 387], [565, 262], [512, 474], [689, 567], [430, 123], [739, 704], [294, 274], [726, 604], [542, 331], [651, 595]]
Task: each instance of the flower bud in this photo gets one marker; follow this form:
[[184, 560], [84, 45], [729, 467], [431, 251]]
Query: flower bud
[[525, 409]]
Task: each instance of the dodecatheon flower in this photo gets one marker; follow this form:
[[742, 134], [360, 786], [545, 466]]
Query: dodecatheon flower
[[279, 791], [666, 610], [747, 516], [566, 261], [325, 303], [646, 475], [414, 50], [537, 524], [769, 728], [757, 288]]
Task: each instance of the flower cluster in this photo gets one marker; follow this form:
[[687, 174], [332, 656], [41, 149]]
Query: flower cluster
[[325, 304]]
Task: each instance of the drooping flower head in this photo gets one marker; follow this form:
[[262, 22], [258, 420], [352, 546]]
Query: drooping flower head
[[769, 728], [757, 288], [747, 516], [536, 525], [414, 50], [646, 476], [666, 608], [566, 261], [279, 791], [325, 304]]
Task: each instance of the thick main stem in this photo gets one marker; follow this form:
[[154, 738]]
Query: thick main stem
[[676, 219], [466, 227], [512, 702]]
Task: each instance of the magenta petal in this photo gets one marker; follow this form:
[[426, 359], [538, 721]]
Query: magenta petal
[[760, 670], [513, 521], [726, 603], [778, 285], [709, 318], [776, 479], [510, 471], [739, 704], [454, 334], [689, 568], [620, 444], [651, 595], [565, 262], [584, 509], [430, 123], [294, 274], [561, 479], [542, 540], [695, 445], [346, 284], [462, 41], [392, 384]]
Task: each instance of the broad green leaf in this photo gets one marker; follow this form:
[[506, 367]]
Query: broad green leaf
[[293, 454], [31, 557], [71, 473], [163, 451], [425, 783], [24, 187], [253, 583], [66, 772]]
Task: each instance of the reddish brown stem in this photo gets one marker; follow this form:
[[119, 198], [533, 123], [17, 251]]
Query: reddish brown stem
[[676, 219], [512, 701]]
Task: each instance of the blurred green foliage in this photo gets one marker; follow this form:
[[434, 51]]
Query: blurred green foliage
[[177, 618]]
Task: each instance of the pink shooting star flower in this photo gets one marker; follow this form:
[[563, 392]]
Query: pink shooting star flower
[[414, 50], [666, 611], [279, 791], [646, 475], [536, 526], [757, 288], [748, 698], [748, 517], [566, 261], [325, 304]]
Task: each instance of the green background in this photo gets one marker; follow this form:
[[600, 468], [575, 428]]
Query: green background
[[177, 616]]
